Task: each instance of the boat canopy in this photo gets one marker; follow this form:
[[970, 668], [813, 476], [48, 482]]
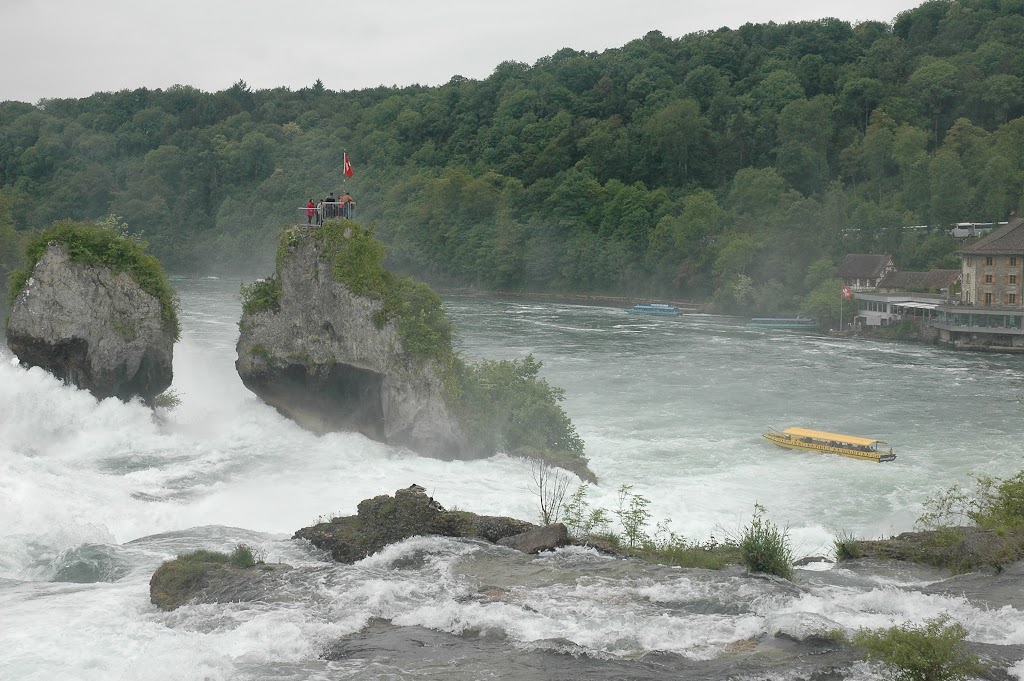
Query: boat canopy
[[832, 437], [803, 320]]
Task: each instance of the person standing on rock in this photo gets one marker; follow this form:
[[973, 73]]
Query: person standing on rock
[[347, 204], [310, 212]]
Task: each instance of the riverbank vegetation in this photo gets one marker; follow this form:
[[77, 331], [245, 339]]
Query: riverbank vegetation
[[724, 165], [961, 529], [760, 546]]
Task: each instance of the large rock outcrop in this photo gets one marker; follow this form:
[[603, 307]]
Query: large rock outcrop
[[92, 328], [318, 353]]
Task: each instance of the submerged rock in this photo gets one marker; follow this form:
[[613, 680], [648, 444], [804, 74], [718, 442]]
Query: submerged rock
[[538, 539], [209, 577], [326, 357], [92, 328], [385, 520]]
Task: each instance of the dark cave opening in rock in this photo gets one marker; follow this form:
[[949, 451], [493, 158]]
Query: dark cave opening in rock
[[336, 397]]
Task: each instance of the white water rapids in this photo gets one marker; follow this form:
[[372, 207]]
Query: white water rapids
[[94, 495]]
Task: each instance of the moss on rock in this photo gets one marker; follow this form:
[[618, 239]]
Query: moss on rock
[[221, 577], [104, 244], [385, 520], [958, 549]]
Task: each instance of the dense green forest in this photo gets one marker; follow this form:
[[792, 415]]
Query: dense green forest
[[736, 166]]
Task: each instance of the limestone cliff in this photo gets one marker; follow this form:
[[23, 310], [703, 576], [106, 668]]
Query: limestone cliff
[[336, 342], [92, 327], [330, 358]]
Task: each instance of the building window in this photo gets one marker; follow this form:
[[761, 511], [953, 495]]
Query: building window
[[969, 261], [1013, 279], [988, 298], [988, 259], [988, 278], [1012, 261], [1011, 298]]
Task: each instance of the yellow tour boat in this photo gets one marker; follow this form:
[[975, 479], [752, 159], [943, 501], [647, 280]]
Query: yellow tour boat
[[836, 443]]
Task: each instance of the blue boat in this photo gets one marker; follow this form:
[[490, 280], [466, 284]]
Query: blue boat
[[782, 323], [655, 309]]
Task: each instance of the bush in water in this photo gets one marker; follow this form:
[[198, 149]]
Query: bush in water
[[765, 546], [934, 652]]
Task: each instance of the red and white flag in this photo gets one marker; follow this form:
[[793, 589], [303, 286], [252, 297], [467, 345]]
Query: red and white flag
[[845, 292], [347, 166]]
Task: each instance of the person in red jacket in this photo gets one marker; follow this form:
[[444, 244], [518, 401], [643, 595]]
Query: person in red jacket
[[310, 212]]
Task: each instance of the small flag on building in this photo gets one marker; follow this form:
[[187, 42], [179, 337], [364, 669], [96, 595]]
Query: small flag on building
[[845, 292], [347, 167]]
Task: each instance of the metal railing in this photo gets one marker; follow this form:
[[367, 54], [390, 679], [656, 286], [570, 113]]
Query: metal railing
[[329, 210]]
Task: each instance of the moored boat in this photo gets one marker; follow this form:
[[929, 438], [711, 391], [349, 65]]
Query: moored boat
[[782, 323], [836, 443], [654, 308]]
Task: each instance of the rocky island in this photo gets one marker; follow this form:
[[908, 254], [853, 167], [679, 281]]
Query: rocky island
[[92, 308], [336, 342]]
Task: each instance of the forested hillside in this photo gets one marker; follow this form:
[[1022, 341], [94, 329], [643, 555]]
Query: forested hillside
[[737, 165]]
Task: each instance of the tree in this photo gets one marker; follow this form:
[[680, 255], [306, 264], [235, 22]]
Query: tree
[[822, 303], [675, 133], [549, 486], [936, 84], [804, 132], [1002, 93], [949, 191]]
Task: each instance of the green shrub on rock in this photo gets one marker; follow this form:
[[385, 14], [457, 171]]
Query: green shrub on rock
[[765, 546], [994, 504], [176, 581], [357, 258], [846, 547], [506, 407], [261, 295]]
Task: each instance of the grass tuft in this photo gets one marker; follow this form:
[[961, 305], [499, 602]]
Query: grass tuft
[[765, 546]]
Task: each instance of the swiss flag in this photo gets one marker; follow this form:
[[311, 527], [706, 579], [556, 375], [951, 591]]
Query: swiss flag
[[347, 167], [845, 292]]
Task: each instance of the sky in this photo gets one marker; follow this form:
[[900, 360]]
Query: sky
[[73, 48]]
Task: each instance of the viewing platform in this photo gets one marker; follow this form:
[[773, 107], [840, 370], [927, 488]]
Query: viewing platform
[[328, 210]]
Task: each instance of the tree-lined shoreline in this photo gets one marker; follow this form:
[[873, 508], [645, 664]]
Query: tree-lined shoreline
[[729, 166]]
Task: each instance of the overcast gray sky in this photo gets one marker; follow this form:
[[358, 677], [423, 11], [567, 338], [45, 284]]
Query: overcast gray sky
[[72, 48]]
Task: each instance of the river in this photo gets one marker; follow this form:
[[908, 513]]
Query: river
[[94, 495]]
